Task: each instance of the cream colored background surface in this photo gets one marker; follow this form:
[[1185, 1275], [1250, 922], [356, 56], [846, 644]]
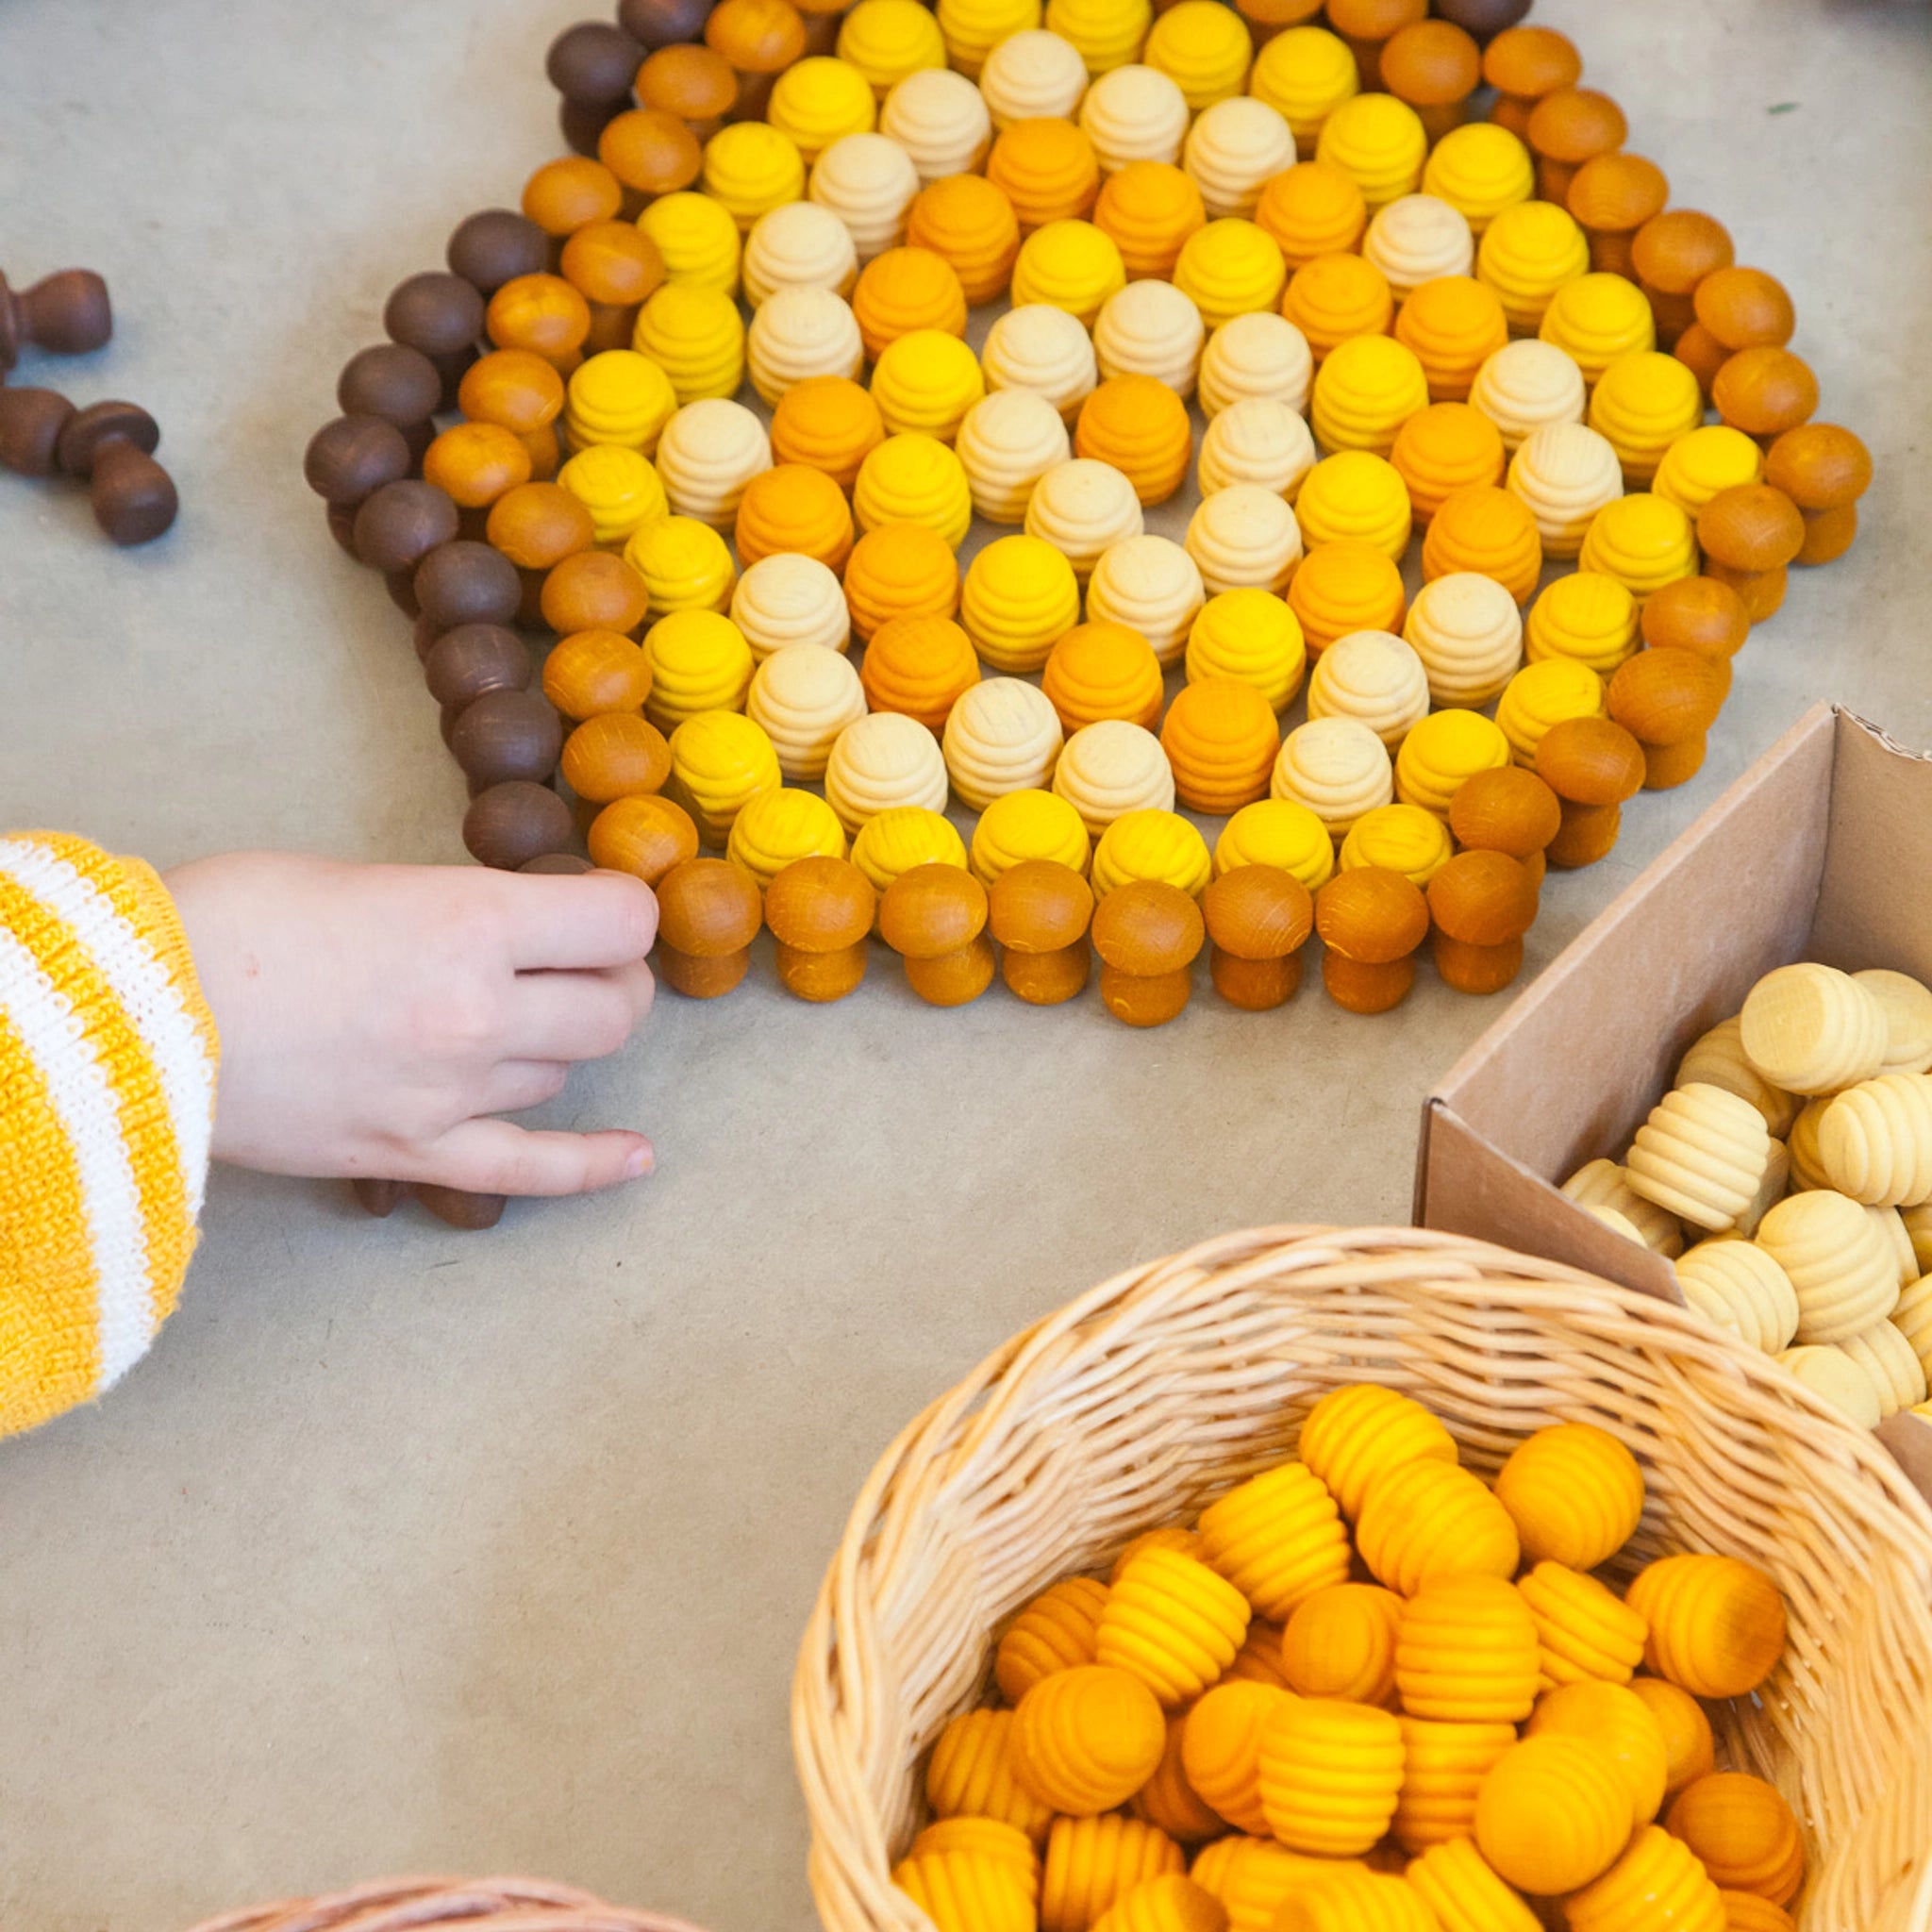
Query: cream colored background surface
[[413, 1550]]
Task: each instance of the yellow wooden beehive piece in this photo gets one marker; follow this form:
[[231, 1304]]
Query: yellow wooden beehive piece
[[1019, 599], [1152, 844], [695, 335], [924, 383], [1466, 1652], [1278, 1537], [619, 488], [1357, 495], [1604, 1184], [1071, 265], [1444, 752], [1338, 768], [1744, 1911], [1701, 1155], [702, 249], [1876, 1140], [1250, 635], [1442, 1771], [719, 760], [1274, 831], [1642, 541], [1529, 251], [775, 828], [1404, 838], [1022, 825], [1464, 1893], [1231, 267], [1111, 768], [1479, 169], [894, 842], [1087, 1739], [1221, 1748], [1586, 617], [1164, 1536], [1656, 1882], [1645, 404], [1340, 1642], [1056, 1631], [1584, 1631], [685, 564], [1379, 142], [887, 40], [1167, 1904], [617, 397], [1107, 33], [986, 1837], [1169, 1802], [820, 100], [1366, 389], [1541, 695], [1839, 1263], [1689, 1749], [750, 168], [966, 1891], [1330, 1774], [914, 479], [1619, 1720], [1304, 75], [1704, 460], [1092, 1861], [1423, 1519], [1467, 631], [1204, 51], [1717, 1624], [699, 662], [1253, 1877], [1355, 1901], [1743, 1833], [1739, 1285], [1174, 1622], [970, 1774], [1596, 319], [1553, 1813]]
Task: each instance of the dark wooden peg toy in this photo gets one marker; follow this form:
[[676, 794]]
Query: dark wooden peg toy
[[67, 314], [112, 445], [31, 421]]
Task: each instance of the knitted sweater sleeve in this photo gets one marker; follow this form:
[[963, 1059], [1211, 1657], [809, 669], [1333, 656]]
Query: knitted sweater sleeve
[[108, 1060]]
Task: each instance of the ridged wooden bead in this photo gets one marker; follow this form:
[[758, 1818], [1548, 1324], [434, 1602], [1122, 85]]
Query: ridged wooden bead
[[1642, 541], [1082, 507], [1330, 1774], [1032, 75], [802, 698], [1101, 670], [1252, 1877], [1245, 536], [1365, 391], [1046, 167], [1587, 618], [699, 662], [718, 760], [1740, 1287], [970, 1774], [913, 479], [1045, 349], [1233, 148], [983, 1836], [1464, 1893], [900, 570], [1885, 1355], [785, 600], [1480, 170], [775, 828], [829, 424], [1527, 386], [1148, 209], [1704, 461], [1087, 1738], [1907, 1004], [695, 335], [1466, 630], [1174, 1622], [1135, 113], [1140, 428], [750, 168], [1342, 588], [1584, 1632], [1167, 1904], [1169, 1802], [1153, 845], [961, 1891], [1256, 440], [620, 489], [1700, 1155], [1150, 328], [1071, 265], [1373, 678], [793, 511], [1619, 1724], [1340, 1642], [1092, 1861], [1874, 1141], [799, 333], [1221, 1748], [1467, 1652], [706, 455], [1220, 738], [1202, 49], [1106, 36], [880, 762], [1020, 827], [1278, 1537], [869, 182], [1423, 1521], [1743, 1833], [1054, 1632], [1812, 1029], [1150, 584], [1398, 838], [1231, 267], [941, 119], [1379, 142], [1007, 442], [1553, 1814], [1111, 768], [897, 840], [1717, 1624], [1276, 833], [1604, 1184], [1645, 403], [1251, 635], [1575, 1493], [1003, 736], [1453, 325], [821, 100], [798, 246], [1020, 598], [1565, 473], [1355, 496], [1444, 1764], [1488, 530], [1256, 354], [1336, 298], [1835, 1379], [1304, 75], [1597, 318], [1338, 768], [919, 666], [1542, 696], [1808, 1167], [1655, 1875], [1527, 252], [617, 397], [1839, 1263], [1416, 239]]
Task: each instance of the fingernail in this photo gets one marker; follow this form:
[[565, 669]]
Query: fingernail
[[641, 1161]]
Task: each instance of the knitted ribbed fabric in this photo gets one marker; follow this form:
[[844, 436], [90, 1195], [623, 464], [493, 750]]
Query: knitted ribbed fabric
[[107, 1058]]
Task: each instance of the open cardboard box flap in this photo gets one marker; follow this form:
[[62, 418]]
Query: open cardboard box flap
[[1821, 850]]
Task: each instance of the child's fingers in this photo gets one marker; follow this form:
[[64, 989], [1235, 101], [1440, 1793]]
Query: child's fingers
[[570, 1016], [594, 918], [491, 1157], [513, 1085]]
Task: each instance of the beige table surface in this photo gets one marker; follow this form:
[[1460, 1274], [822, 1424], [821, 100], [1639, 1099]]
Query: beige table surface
[[412, 1549]]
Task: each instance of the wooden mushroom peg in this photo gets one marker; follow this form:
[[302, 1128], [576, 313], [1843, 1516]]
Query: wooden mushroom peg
[[67, 313], [112, 445], [934, 917], [1147, 934], [1259, 919], [1038, 910]]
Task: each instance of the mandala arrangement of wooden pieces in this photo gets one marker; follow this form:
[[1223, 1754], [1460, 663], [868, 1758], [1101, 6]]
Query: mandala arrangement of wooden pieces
[[1415, 286]]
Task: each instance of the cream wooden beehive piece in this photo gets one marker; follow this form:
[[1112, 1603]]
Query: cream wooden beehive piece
[[1913, 1319], [868, 181], [1151, 328], [1807, 1165], [1874, 1141], [1701, 1155], [1770, 1190], [1416, 238], [1039, 347], [1717, 1059], [1033, 75], [799, 245], [788, 599], [1135, 113], [1620, 1225], [1891, 1224], [1151, 585], [1604, 1184], [1526, 385], [1233, 148], [1245, 538], [1565, 473], [882, 760], [1257, 439], [1003, 736], [941, 120], [1008, 442], [1374, 677], [797, 333], [1885, 1355], [708, 452], [1739, 1285], [1110, 768], [1468, 632], [1839, 1264], [804, 697], [1907, 1004], [1812, 1029], [1833, 1376], [1083, 508], [1338, 768], [1257, 354]]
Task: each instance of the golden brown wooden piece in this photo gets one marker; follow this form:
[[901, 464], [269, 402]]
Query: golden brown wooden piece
[[708, 916], [820, 911]]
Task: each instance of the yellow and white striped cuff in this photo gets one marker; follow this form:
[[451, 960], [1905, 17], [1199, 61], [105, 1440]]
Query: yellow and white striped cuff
[[108, 1060]]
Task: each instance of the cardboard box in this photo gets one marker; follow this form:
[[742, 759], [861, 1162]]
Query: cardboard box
[[1822, 850]]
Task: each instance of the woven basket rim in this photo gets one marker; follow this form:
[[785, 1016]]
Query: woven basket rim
[[504, 1902]]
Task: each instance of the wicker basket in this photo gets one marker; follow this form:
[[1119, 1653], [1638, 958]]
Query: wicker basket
[[1168, 1383], [402, 1905]]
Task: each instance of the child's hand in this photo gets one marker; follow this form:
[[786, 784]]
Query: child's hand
[[373, 1018]]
